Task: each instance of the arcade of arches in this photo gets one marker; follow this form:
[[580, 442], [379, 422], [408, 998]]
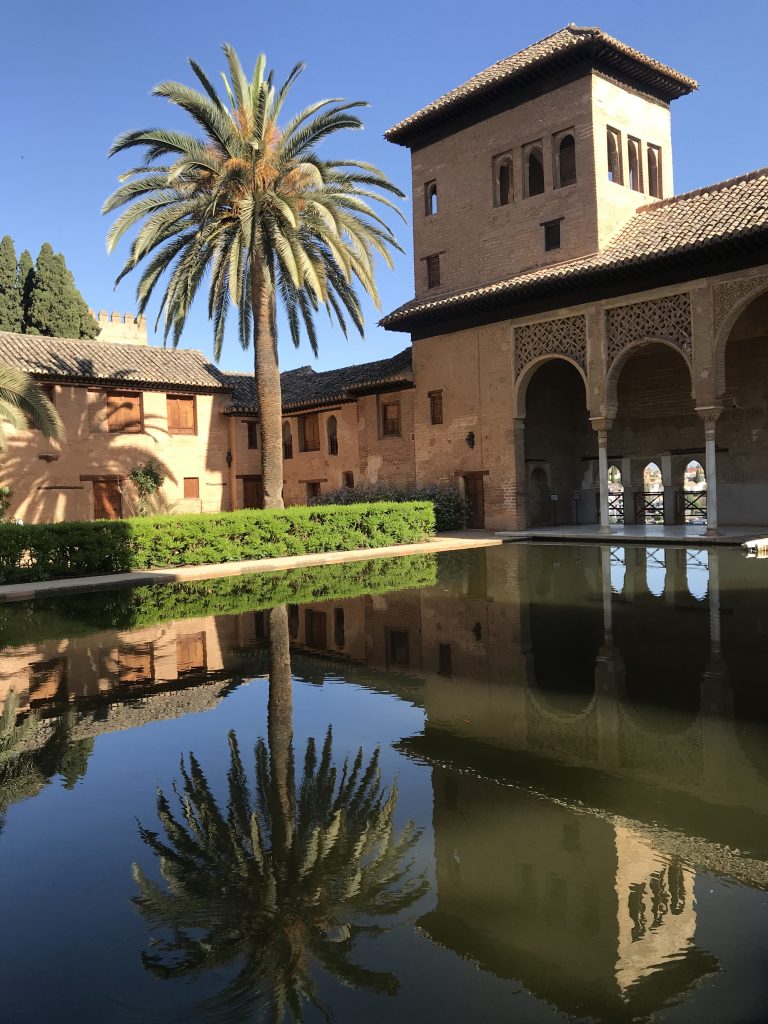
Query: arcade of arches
[[669, 423]]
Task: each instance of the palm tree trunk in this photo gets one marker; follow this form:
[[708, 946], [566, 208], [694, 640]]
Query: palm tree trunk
[[280, 726], [267, 373]]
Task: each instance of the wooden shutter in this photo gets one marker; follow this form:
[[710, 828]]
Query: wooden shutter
[[107, 500], [124, 412], [190, 653], [191, 487], [311, 433], [315, 631], [136, 664], [391, 417], [182, 418]]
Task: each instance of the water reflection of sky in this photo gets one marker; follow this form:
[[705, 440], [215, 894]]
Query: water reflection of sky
[[697, 572]]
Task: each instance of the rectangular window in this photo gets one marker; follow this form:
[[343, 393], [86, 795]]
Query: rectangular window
[[259, 626], [552, 235], [615, 169], [190, 653], [654, 171], [309, 433], [136, 664], [182, 414], [433, 271], [252, 427], [313, 489], [315, 630], [287, 440], [444, 660], [397, 647], [191, 487], [348, 478], [390, 419], [338, 627], [124, 412], [436, 407]]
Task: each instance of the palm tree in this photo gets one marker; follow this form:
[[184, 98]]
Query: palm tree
[[284, 880], [255, 209], [22, 402]]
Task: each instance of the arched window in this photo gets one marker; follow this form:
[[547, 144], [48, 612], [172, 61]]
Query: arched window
[[287, 440], [615, 495], [430, 199], [534, 171], [694, 494], [635, 166], [655, 570], [618, 569], [614, 156], [652, 509], [654, 171], [333, 437], [652, 478], [697, 573], [566, 161], [503, 181]]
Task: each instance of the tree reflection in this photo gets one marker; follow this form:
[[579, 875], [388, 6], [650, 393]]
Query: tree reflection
[[281, 882]]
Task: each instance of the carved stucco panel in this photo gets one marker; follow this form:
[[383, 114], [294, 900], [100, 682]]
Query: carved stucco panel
[[566, 336], [668, 318], [729, 293]]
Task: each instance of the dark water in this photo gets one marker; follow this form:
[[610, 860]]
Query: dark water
[[566, 818]]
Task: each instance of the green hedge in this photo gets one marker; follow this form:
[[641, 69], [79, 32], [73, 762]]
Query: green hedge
[[449, 504], [63, 617], [54, 550]]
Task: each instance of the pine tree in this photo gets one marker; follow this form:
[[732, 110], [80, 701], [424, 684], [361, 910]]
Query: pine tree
[[10, 307], [24, 284], [57, 309]]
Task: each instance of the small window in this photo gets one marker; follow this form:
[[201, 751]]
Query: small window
[[615, 172], [654, 171], [436, 407], [444, 660], [293, 621], [309, 433], [333, 437], [315, 634], [635, 165], [390, 419], [552, 235], [124, 412], [313, 489], [191, 487], [259, 626], [348, 478], [49, 390], [182, 414], [338, 627], [533, 160], [502, 180], [252, 428], [397, 647], [430, 199], [433, 271], [287, 441], [565, 160], [191, 654], [136, 664]]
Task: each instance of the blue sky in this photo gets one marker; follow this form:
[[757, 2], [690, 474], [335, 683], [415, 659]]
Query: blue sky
[[74, 75]]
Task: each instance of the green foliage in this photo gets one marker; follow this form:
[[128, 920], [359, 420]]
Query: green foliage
[[54, 550], [450, 506], [5, 499], [278, 900], [56, 307], [148, 479], [10, 305], [25, 282], [23, 402], [139, 607]]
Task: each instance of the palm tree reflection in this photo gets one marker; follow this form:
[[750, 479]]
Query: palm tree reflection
[[280, 883]]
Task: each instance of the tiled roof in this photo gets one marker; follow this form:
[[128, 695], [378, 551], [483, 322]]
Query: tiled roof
[[305, 387], [109, 362], [564, 47], [728, 216]]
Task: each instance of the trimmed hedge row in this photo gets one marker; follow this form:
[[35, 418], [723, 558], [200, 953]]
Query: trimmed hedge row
[[58, 618], [55, 550], [449, 504]]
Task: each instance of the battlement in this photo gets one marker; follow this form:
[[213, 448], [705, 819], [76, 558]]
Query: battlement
[[126, 329]]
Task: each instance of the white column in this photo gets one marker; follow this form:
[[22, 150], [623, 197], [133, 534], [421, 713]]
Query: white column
[[607, 588], [602, 468], [709, 416]]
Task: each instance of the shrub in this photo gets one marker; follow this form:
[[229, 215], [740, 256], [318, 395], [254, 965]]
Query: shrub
[[54, 550], [449, 505]]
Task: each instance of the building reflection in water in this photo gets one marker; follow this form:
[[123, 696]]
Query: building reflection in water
[[595, 727]]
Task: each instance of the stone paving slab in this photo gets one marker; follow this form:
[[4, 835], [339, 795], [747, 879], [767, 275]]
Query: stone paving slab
[[689, 535], [453, 541]]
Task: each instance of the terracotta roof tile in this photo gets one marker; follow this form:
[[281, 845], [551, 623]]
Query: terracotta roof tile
[[570, 41], [687, 225]]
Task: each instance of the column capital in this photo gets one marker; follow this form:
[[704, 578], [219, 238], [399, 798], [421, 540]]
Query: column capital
[[709, 414], [601, 424]]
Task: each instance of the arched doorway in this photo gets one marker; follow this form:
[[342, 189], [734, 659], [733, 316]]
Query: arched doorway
[[560, 446], [693, 497], [742, 429], [649, 503], [615, 495]]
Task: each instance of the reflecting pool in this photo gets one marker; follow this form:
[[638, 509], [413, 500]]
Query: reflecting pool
[[527, 783]]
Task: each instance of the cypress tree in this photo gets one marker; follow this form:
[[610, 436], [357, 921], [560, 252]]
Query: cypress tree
[[57, 309], [24, 284], [10, 306], [88, 327]]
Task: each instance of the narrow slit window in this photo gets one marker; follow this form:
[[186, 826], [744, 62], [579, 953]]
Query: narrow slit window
[[333, 436], [566, 160], [615, 172], [433, 271], [309, 433], [430, 199], [654, 171], [502, 181], [635, 165], [534, 169], [287, 441], [435, 407], [252, 428]]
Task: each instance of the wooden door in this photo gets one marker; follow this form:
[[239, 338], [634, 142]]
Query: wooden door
[[473, 489], [253, 492], [107, 500]]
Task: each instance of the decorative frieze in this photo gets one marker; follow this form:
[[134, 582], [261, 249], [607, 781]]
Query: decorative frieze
[[668, 319], [566, 336], [728, 294]]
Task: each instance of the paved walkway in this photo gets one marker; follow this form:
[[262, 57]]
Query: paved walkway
[[454, 541], [691, 535]]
